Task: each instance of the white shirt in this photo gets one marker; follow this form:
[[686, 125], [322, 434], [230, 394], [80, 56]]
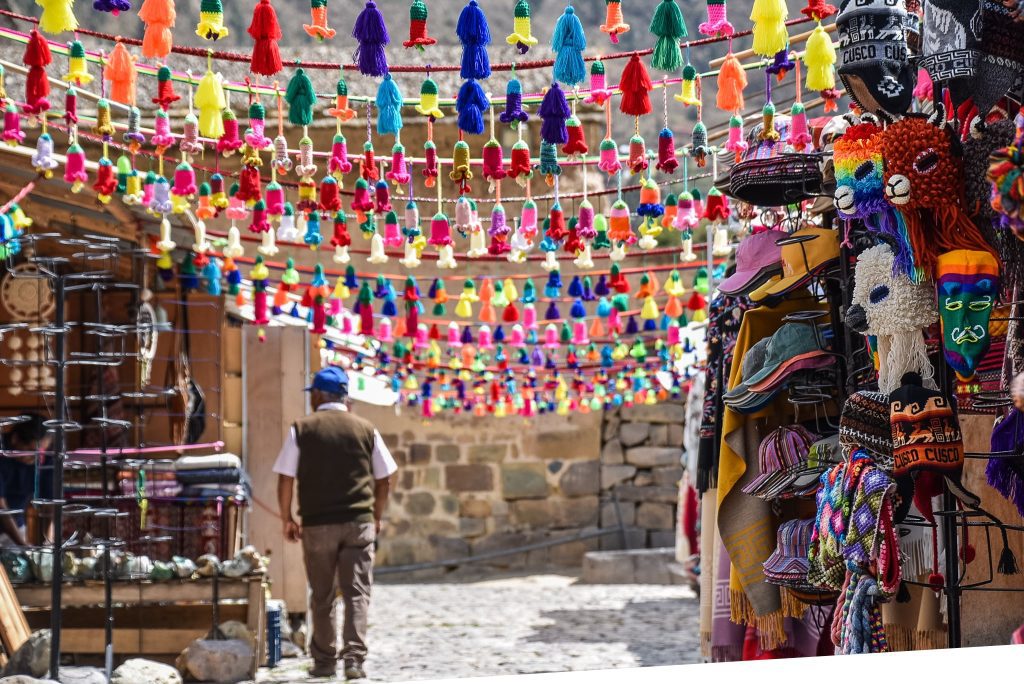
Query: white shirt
[[288, 459]]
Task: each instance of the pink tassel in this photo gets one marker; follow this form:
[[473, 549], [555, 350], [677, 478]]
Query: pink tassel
[[339, 164], [399, 174], [13, 134]]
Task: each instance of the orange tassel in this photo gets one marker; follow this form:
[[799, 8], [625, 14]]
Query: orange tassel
[[731, 82]]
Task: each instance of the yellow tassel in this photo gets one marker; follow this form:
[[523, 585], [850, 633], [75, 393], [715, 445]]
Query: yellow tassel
[[819, 59], [210, 101], [428, 106], [521, 32], [103, 125], [211, 26], [58, 16], [688, 92], [770, 35], [649, 312]]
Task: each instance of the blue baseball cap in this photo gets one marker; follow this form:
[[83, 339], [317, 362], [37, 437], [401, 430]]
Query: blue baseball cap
[[330, 379]]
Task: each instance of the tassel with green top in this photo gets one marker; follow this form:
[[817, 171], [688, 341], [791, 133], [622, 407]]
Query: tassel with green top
[[211, 20], [667, 23], [522, 33], [418, 37]]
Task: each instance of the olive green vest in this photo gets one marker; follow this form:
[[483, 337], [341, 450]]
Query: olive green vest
[[335, 475]]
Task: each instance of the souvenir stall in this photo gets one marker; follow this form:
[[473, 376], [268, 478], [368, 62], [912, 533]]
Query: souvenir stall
[[519, 268], [858, 458]]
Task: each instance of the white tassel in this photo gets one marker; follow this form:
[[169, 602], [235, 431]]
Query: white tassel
[[377, 254], [166, 244], [234, 248], [688, 254], [412, 256], [201, 245], [550, 263], [584, 259], [268, 246], [341, 255], [446, 257]]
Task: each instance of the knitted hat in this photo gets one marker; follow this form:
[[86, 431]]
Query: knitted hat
[[950, 46], [925, 430], [864, 424], [978, 150], [1001, 52], [873, 60], [788, 564]]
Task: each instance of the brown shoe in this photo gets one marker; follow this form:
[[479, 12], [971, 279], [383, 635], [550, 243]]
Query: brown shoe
[[354, 670], [324, 670]]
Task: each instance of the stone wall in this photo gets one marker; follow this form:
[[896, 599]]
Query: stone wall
[[470, 485], [640, 472]]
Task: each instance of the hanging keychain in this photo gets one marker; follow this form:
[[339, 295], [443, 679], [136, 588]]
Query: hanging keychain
[[585, 229]]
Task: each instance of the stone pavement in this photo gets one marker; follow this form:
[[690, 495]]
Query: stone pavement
[[518, 625]]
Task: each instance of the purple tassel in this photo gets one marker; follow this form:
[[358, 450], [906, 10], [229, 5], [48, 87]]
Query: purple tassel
[[552, 313], [372, 35], [475, 35], [513, 113], [554, 110], [467, 336]]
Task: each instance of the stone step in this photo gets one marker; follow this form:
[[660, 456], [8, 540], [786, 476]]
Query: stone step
[[636, 566]]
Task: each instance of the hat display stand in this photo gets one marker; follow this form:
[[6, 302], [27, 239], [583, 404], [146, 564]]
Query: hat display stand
[[101, 530]]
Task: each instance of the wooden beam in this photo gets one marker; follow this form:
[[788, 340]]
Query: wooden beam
[[794, 40]]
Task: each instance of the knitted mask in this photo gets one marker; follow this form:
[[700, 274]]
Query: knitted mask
[[978, 150], [922, 174], [967, 283], [894, 310], [873, 62], [860, 191], [1006, 175]]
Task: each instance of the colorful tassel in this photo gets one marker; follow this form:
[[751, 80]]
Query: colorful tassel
[[609, 157], [12, 134], [211, 20], [637, 154], [736, 142], [614, 25], [165, 95], [475, 36], [576, 144], [470, 105], [389, 107], [514, 113], [688, 87], [699, 149], [770, 35], [301, 97], [37, 87], [520, 166], [78, 69], [265, 32], [373, 37], [599, 93], [190, 143], [57, 16], [211, 102], [668, 25], [799, 136], [554, 110], [159, 17], [106, 180], [229, 142], [120, 72], [569, 42], [819, 58], [768, 131], [636, 86], [43, 161], [731, 82], [399, 173], [522, 34]]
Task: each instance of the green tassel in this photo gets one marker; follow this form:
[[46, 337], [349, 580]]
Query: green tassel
[[667, 23], [301, 98]]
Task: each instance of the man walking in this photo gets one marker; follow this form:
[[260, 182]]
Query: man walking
[[344, 474]]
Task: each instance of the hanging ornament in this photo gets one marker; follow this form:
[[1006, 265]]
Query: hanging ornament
[[569, 42], [613, 24], [427, 106], [635, 86], [522, 35], [554, 110], [609, 157], [461, 172], [770, 35], [106, 180], [74, 168], [318, 27], [514, 113], [165, 95], [731, 82], [430, 165], [340, 238], [418, 37], [737, 142], [57, 16], [211, 20], [475, 36], [42, 161], [470, 104], [575, 145], [781, 64], [37, 86], [717, 24], [210, 101], [599, 93], [389, 107], [819, 58], [399, 173], [120, 72], [78, 68], [159, 17], [265, 32], [341, 111], [549, 166], [637, 154], [668, 25], [301, 97], [305, 168], [373, 37], [688, 87]]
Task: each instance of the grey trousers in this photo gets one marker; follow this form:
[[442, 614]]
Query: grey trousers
[[339, 557]]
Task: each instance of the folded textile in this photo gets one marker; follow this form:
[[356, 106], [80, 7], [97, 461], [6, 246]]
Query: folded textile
[[207, 462], [210, 476]]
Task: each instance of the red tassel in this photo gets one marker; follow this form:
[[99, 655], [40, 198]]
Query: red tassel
[[165, 95], [341, 236], [635, 85], [577, 144], [37, 57], [556, 224], [418, 37], [573, 244], [106, 180], [264, 29], [520, 163], [493, 162], [249, 184], [510, 314], [330, 196], [412, 321], [366, 319]]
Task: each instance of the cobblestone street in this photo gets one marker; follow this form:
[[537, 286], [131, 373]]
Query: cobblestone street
[[519, 625]]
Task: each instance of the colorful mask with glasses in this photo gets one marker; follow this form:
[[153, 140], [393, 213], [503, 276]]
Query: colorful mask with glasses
[[967, 283], [860, 190]]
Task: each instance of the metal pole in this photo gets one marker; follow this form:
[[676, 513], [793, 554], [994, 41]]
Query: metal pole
[[58, 478]]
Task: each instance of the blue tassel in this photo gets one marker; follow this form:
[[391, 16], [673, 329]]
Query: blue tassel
[[569, 42], [531, 337], [475, 35], [631, 327], [650, 325], [432, 292], [578, 310], [575, 287], [552, 313], [389, 107], [389, 308], [467, 335], [604, 308], [523, 358], [606, 358], [499, 334], [601, 289], [471, 104]]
